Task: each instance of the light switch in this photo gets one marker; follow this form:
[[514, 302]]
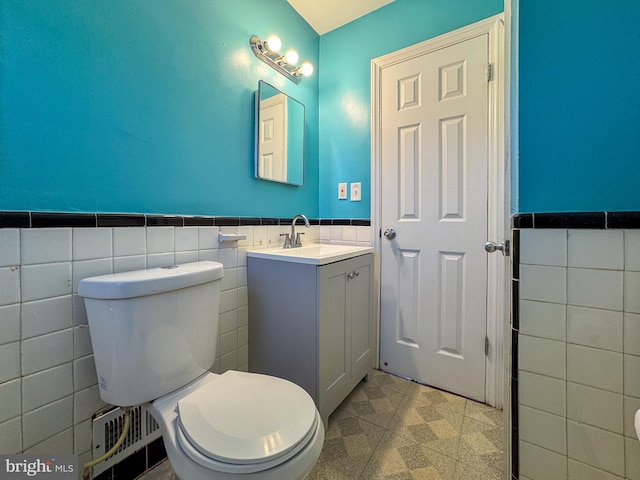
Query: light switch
[[342, 191], [356, 192]]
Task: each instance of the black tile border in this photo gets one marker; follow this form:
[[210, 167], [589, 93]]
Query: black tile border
[[115, 220], [577, 220], [164, 221], [10, 219], [597, 220], [515, 304], [515, 254], [55, 220], [15, 220], [522, 220], [198, 222], [623, 220]]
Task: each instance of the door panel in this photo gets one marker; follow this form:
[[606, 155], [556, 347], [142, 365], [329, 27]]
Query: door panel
[[272, 162], [434, 147]]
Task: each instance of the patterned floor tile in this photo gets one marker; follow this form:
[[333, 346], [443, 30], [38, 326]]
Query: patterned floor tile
[[481, 447], [437, 429], [483, 413], [374, 402], [433, 397], [398, 457], [390, 428], [349, 444], [474, 471], [393, 382]]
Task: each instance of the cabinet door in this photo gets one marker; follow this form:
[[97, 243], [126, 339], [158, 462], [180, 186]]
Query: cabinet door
[[333, 333], [360, 291]]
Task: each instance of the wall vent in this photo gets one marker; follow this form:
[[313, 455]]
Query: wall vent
[[107, 428]]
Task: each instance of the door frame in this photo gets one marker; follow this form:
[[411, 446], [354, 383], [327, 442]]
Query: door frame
[[498, 298]]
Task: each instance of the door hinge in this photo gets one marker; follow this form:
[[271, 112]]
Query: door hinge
[[486, 346], [489, 72]]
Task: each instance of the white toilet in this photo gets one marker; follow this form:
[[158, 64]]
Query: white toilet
[[154, 336]]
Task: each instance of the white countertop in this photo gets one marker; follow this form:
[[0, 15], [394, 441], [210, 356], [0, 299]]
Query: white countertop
[[312, 254]]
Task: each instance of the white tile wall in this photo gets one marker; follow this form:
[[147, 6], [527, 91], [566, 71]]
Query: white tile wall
[[595, 328], [579, 354], [9, 323], [129, 241], [45, 245], [545, 320], [48, 389], [595, 407], [91, 243], [632, 250], [596, 249], [541, 464], [580, 471], [543, 429], [542, 392], [595, 288], [544, 247], [594, 367], [596, 447], [544, 284], [10, 251], [545, 357], [9, 285]]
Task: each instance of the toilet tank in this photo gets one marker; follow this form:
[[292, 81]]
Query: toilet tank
[[152, 331]]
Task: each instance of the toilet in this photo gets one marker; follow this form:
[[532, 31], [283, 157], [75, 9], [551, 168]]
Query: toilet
[[154, 335]]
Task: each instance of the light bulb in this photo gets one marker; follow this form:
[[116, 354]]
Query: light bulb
[[291, 57], [273, 43], [306, 69]]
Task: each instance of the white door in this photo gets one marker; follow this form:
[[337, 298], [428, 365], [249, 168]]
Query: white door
[[434, 150], [272, 148]]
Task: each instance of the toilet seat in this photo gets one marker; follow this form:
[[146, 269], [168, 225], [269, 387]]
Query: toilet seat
[[245, 422]]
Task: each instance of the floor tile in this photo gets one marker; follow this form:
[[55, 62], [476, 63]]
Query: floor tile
[[399, 457], [390, 428]]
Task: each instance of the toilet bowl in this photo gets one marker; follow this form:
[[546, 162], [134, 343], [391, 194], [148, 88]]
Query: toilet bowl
[[288, 452], [154, 336]]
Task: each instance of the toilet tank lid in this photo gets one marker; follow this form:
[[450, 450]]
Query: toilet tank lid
[[140, 283]]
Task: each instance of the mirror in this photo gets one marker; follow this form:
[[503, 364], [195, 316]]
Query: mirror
[[279, 136]]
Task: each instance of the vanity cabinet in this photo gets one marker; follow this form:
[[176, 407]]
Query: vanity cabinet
[[312, 324]]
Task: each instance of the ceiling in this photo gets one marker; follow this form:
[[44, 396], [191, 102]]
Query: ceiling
[[326, 15]]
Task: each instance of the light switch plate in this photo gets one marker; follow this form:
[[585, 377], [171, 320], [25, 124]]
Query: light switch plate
[[356, 192], [342, 191]]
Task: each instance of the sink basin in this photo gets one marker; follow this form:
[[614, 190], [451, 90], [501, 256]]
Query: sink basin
[[313, 254]]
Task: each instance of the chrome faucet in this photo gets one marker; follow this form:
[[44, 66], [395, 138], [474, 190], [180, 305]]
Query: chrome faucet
[[294, 240]]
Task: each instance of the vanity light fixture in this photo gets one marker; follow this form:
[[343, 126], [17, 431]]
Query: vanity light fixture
[[268, 52]]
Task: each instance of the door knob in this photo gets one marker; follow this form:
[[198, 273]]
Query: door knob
[[493, 246], [389, 234]]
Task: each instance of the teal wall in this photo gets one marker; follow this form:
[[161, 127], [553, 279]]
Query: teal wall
[[345, 78], [144, 106], [579, 106], [147, 106]]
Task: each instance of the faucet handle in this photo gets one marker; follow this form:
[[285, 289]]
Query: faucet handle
[[287, 240], [298, 242]]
